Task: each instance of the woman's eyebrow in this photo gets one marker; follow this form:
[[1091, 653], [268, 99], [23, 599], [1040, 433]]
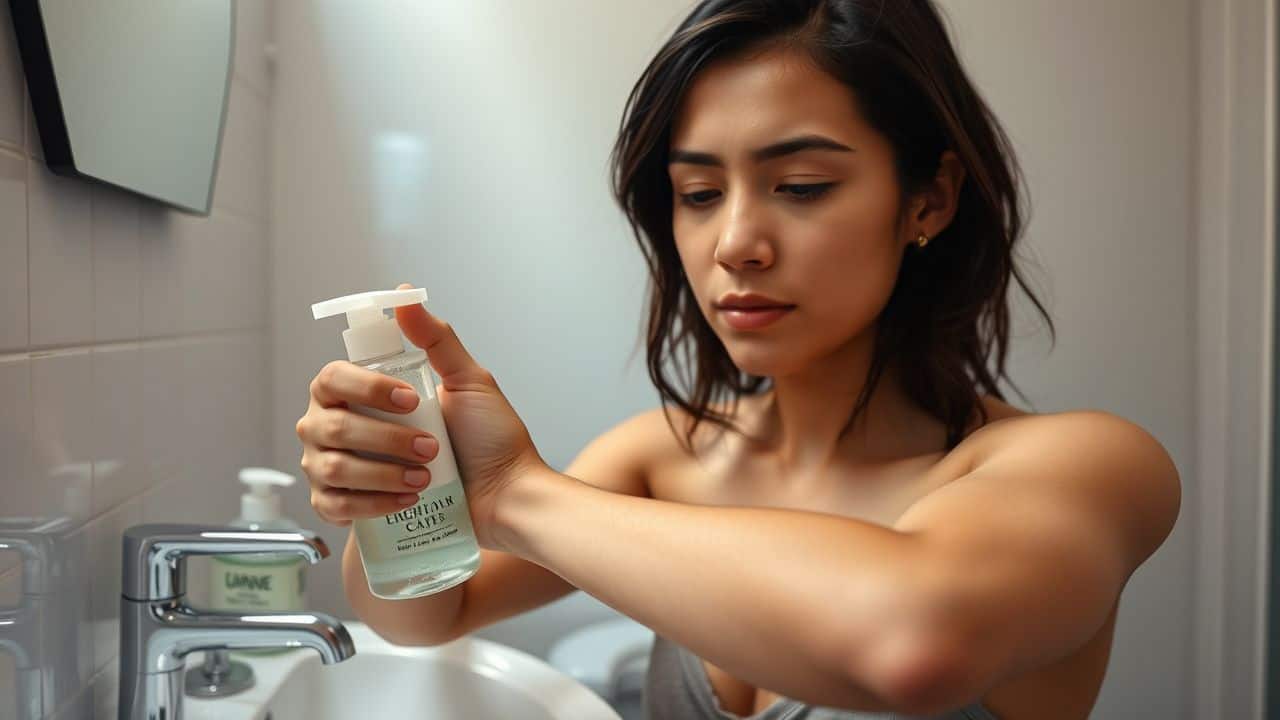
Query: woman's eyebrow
[[769, 152]]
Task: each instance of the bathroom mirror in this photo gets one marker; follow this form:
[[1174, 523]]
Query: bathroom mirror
[[130, 92]]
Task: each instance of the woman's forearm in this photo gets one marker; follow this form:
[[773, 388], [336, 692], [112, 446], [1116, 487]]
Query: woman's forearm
[[808, 605]]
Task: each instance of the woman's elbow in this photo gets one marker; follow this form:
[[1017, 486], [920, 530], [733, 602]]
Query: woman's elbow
[[927, 682], [923, 674]]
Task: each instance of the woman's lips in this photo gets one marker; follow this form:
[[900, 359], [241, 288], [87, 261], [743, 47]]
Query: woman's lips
[[753, 318]]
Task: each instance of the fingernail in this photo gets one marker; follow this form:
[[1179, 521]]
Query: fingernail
[[416, 477], [407, 499], [426, 446], [404, 397]]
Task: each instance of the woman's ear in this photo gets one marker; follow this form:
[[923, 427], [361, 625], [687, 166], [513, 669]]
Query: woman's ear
[[934, 207]]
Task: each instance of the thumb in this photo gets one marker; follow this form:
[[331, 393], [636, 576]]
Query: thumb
[[447, 356]]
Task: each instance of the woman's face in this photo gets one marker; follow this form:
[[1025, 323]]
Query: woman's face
[[814, 229]]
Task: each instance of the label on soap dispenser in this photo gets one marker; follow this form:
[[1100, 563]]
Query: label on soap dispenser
[[257, 583]]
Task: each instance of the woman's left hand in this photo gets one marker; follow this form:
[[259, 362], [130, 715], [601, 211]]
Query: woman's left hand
[[490, 442]]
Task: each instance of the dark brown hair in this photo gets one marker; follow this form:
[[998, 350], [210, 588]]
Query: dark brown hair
[[949, 308]]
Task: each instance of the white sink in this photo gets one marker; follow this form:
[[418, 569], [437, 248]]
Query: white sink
[[469, 678]]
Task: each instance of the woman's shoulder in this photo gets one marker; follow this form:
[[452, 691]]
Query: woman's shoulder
[[660, 439], [997, 410], [623, 458], [663, 429], [1008, 426], [656, 438]]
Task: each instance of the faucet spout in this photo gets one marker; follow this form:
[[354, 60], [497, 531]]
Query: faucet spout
[[158, 629], [153, 554], [183, 630]]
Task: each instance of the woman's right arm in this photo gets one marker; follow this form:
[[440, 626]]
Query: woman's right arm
[[346, 487]]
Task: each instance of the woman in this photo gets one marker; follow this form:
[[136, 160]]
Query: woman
[[835, 513]]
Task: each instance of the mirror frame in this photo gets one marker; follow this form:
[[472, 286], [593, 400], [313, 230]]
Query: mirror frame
[[47, 108]]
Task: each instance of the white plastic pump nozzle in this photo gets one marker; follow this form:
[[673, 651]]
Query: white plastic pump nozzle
[[370, 333], [262, 503]]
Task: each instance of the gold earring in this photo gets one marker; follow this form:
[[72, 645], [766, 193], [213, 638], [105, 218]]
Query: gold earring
[[922, 240]]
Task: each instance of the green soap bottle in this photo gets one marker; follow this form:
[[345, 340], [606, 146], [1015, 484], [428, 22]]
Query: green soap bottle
[[259, 582]]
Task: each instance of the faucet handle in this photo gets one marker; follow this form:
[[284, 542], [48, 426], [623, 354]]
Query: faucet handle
[[153, 554]]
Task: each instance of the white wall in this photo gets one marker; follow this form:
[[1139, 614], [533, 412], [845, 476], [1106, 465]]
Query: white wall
[[133, 374], [459, 147], [462, 147]]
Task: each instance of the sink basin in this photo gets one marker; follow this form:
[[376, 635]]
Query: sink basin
[[469, 678]]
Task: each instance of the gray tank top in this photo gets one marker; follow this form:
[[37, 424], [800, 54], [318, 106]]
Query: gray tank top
[[677, 688]]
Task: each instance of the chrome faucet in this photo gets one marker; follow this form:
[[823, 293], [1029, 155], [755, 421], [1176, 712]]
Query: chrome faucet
[[158, 629], [37, 541]]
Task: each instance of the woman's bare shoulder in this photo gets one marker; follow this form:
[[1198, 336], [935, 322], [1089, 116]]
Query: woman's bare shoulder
[[665, 428], [658, 436], [663, 434], [624, 457], [979, 437], [620, 459], [1008, 426], [998, 409]]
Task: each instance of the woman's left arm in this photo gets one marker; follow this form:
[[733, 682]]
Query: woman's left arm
[[1015, 563]]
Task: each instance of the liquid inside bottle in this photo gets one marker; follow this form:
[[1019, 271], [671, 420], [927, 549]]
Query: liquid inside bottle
[[431, 545]]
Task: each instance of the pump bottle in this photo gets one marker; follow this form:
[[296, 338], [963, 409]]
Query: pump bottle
[[259, 583], [430, 546]]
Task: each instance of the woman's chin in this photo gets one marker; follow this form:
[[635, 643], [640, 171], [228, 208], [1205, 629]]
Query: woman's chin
[[761, 361]]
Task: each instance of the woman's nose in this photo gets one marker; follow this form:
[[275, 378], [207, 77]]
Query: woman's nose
[[743, 243]]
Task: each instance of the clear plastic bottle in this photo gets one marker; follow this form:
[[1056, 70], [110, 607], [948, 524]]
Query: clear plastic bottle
[[430, 546]]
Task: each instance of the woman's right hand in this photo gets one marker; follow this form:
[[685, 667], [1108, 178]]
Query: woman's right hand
[[345, 486]]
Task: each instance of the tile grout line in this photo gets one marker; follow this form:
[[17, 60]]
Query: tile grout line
[[26, 197], [93, 333], [139, 343]]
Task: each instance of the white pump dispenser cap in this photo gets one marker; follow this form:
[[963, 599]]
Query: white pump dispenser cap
[[262, 503], [370, 332]]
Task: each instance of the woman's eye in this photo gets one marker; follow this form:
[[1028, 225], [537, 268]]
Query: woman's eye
[[697, 199], [802, 193], [806, 192]]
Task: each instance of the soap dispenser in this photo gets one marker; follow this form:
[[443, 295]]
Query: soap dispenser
[[262, 582], [430, 546]]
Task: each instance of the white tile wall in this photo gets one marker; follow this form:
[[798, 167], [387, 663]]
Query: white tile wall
[[163, 410], [15, 447], [60, 265], [104, 580], [23, 496], [161, 250], [117, 285], [15, 442], [106, 691], [116, 450], [253, 30], [144, 384], [12, 705], [63, 431], [12, 86], [13, 251], [242, 175], [80, 707]]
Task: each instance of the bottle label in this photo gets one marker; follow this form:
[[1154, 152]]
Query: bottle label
[[439, 519], [239, 583]]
